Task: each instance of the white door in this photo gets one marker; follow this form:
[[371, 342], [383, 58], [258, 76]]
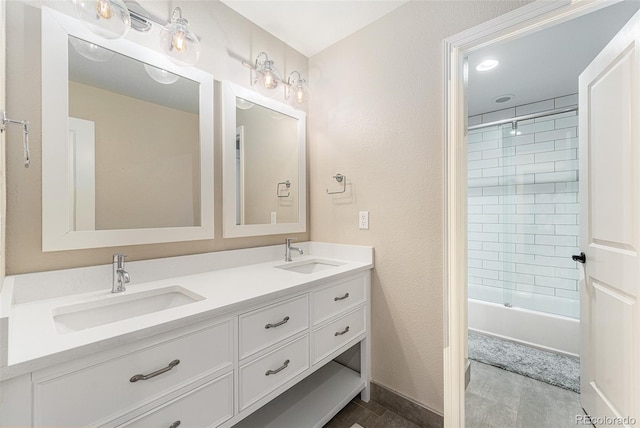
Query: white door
[[610, 230]]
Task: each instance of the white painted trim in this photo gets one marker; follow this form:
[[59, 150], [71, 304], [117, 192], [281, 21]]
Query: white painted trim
[[56, 231], [230, 229], [526, 20]]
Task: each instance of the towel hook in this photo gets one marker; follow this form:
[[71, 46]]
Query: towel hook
[[287, 184], [25, 138], [340, 179]]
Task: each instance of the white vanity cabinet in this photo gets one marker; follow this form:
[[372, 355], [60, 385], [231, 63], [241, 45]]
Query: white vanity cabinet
[[265, 362], [338, 312], [97, 392]]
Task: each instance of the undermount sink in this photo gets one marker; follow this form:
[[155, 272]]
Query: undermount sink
[[309, 266], [98, 312]]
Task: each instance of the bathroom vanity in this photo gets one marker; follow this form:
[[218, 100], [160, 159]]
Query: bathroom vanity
[[234, 338]]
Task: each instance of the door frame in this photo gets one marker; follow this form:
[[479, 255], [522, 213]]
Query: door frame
[[533, 17]]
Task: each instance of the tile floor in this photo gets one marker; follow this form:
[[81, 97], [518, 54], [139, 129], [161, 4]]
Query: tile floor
[[495, 398], [501, 399], [368, 415]]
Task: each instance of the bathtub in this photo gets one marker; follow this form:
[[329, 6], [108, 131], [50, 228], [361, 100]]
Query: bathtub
[[545, 331]]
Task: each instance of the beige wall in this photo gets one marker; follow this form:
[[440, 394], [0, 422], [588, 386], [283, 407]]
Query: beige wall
[[376, 116], [147, 168], [226, 39], [270, 157]]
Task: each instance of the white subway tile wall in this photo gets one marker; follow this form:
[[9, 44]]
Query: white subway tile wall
[[523, 209]]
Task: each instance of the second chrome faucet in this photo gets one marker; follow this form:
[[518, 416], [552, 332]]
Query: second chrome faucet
[[120, 276], [288, 248]]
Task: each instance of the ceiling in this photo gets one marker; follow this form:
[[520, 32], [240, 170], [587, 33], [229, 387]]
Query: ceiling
[[545, 64], [311, 26]]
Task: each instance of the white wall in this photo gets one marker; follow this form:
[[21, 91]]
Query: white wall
[[376, 116], [523, 209]]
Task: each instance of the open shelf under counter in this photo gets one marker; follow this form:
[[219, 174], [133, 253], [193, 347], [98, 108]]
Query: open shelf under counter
[[310, 403]]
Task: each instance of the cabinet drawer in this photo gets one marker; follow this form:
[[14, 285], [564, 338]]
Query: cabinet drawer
[[337, 298], [332, 336], [206, 406], [103, 391], [264, 327], [260, 377]]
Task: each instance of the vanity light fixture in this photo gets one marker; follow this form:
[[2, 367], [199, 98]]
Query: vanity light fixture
[[487, 64], [180, 42], [107, 18], [296, 89], [265, 71], [113, 18]]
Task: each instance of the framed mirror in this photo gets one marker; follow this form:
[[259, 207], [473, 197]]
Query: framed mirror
[[127, 142], [264, 165]]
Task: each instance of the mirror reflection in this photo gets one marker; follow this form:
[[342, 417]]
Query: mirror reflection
[[134, 143], [267, 157], [264, 165]]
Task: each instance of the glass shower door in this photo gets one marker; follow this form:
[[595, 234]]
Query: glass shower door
[[523, 214]]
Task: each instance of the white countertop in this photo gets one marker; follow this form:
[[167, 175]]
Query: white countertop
[[34, 342]]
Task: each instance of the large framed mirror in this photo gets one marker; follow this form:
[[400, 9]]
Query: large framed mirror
[[127, 142], [264, 165]]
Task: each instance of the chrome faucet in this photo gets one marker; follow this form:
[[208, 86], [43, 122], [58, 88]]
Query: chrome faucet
[[288, 248], [120, 276]]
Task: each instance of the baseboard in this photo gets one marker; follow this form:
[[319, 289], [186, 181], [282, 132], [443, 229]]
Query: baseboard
[[406, 407]]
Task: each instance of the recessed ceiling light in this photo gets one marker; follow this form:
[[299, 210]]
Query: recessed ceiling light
[[487, 64], [503, 98]]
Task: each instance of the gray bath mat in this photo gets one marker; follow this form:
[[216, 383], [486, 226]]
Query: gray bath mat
[[554, 369]]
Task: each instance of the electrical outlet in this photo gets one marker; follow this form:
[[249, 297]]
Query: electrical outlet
[[274, 218], [363, 220]]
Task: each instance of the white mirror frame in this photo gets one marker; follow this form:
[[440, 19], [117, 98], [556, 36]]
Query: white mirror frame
[[56, 193], [230, 229]]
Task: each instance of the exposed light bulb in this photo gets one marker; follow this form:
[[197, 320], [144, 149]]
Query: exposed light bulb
[[182, 44], [179, 41], [103, 9], [107, 18], [269, 80], [297, 91]]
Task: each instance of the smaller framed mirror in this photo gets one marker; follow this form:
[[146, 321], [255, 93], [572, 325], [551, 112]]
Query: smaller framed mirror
[[264, 165]]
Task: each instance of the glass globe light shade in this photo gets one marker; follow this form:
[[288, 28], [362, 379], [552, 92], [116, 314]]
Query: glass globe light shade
[[107, 18], [269, 79], [180, 43], [161, 76], [91, 51], [299, 92]]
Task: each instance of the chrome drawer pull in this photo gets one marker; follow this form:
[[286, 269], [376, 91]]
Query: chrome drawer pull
[[278, 324], [340, 333], [176, 424], [278, 370], [138, 377], [335, 299]]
